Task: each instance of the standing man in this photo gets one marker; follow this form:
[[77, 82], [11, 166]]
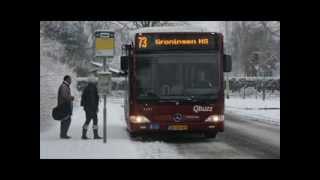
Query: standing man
[[90, 102], [65, 99]]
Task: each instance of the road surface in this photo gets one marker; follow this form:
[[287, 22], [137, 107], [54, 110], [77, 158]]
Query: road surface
[[241, 139]]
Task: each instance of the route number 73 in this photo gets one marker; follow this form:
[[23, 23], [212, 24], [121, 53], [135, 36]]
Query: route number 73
[[143, 42]]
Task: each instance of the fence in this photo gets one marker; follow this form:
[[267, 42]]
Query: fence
[[256, 85]]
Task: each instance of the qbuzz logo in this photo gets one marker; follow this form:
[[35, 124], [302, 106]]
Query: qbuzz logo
[[198, 108], [177, 117]]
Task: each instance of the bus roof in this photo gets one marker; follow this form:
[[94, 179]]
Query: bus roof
[[169, 29]]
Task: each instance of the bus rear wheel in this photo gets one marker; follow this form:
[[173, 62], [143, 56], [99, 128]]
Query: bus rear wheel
[[210, 134]]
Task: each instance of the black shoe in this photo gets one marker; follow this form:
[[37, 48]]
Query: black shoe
[[95, 134], [84, 134], [65, 137], [97, 137], [84, 137]]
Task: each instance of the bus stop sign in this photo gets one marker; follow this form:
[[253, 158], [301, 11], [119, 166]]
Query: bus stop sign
[[104, 43], [104, 83]]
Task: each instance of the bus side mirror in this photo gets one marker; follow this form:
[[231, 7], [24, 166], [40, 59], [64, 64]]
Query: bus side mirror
[[227, 63], [124, 63]]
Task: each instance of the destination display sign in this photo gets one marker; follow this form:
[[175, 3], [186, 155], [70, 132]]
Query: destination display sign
[[176, 41]]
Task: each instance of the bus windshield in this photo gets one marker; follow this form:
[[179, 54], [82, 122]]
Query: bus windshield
[[181, 76]]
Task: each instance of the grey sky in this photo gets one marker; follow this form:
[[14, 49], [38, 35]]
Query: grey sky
[[210, 25]]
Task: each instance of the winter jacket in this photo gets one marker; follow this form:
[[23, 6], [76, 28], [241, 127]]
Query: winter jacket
[[90, 98], [64, 97]]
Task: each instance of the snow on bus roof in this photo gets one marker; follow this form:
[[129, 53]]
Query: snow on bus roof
[[103, 30], [167, 29], [171, 29]]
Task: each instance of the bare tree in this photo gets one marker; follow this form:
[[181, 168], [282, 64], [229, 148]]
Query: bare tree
[[272, 27], [258, 37], [141, 24]]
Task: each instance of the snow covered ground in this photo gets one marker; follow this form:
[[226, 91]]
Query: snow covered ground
[[118, 145], [250, 108]]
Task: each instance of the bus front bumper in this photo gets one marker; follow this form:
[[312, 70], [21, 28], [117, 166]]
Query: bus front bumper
[[177, 127]]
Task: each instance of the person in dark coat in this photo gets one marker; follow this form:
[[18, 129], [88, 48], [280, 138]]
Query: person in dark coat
[[65, 100], [90, 102]]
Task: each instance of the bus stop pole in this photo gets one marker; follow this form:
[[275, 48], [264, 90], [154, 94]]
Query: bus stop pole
[[104, 119], [104, 108], [227, 84]]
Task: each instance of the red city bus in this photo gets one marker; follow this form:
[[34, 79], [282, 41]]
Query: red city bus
[[175, 82]]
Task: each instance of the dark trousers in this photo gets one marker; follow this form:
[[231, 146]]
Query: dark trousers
[[64, 127], [91, 115]]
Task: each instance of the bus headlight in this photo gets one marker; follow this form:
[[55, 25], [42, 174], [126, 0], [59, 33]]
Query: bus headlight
[[215, 118], [139, 119]]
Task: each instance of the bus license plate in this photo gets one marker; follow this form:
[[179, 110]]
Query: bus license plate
[[154, 126], [178, 127]]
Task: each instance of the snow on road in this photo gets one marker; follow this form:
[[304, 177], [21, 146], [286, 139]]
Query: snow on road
[[267, 111], [118, 145]]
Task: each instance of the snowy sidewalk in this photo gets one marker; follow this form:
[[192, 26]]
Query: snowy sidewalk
[[267, 111], [118, 145], [53, 147]]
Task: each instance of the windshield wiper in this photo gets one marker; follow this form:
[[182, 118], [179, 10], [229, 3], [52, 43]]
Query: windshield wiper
[[148, 96], [151, 94], [200, 98], [169, 100], [191, 99]]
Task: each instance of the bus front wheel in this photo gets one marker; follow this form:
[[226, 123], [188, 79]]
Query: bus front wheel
[[210, 134], [133, 134]]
